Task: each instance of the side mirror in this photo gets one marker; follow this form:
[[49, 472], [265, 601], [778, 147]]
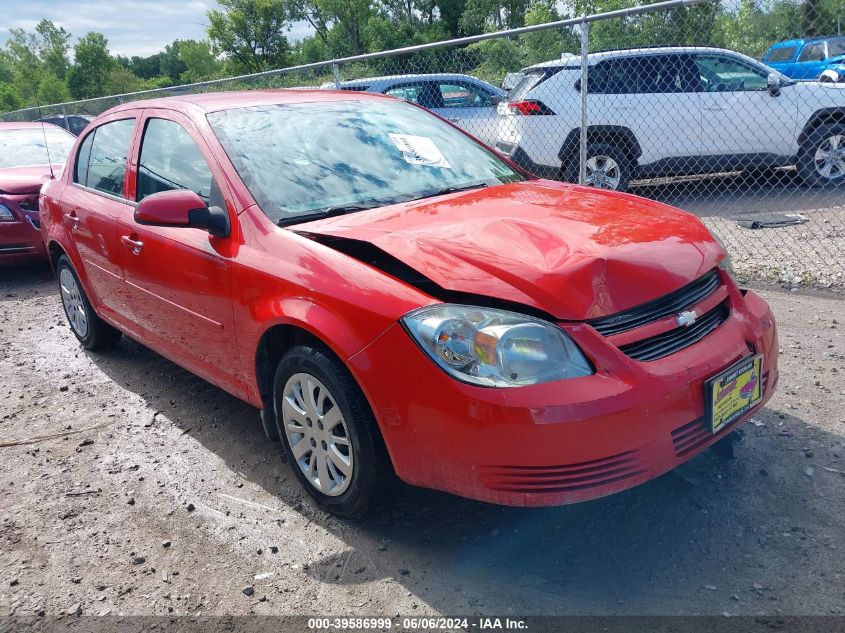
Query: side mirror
[[773, 84], [181, 207], [496, 100]]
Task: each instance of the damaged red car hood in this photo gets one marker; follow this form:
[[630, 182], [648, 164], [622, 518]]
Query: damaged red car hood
[[22, 180], [573, 252]]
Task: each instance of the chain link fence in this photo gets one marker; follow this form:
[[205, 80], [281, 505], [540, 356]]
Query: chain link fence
[[640, 99]]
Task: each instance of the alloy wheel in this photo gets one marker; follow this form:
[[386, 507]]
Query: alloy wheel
[[317, 434], [73, 304], [603, 172], [830, 157]]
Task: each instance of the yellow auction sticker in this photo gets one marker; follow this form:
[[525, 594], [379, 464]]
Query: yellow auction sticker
[[732, 393]]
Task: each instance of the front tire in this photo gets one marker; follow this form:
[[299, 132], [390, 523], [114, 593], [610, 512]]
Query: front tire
[[608, 167], [822, 159], [329, 434], [90, 330]]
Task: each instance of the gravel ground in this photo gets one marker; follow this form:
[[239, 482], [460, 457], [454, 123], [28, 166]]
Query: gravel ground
[[802, 255], [128, 486]]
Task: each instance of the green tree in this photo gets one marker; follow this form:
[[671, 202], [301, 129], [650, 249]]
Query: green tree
[[171, 62], [250, 33], [348, 17], [493, 15], [53, 50], [8, 97], [199, 60], [450, 14], [51, 89], [89, 75], [542, 46], [120, 80], [145, 67]]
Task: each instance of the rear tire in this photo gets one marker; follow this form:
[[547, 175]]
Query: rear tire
[[822, 159], [92, 332], [608, 167], [329, 434]]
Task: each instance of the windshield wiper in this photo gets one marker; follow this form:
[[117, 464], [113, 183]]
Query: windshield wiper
[[327, 212], [455, 189]]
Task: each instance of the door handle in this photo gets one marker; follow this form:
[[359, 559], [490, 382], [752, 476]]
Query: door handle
[[72, 220], [134, 246]]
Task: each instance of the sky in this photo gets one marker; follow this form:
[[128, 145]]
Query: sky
[[140, 27]]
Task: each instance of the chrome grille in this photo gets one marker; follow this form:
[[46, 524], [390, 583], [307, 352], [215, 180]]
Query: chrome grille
[[672, 341], [659, 308]]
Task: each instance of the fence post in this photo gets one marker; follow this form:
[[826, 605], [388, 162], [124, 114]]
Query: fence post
[[336, 73], [582, 137]]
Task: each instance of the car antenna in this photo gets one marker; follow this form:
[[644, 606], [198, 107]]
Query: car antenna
[[44, 133]]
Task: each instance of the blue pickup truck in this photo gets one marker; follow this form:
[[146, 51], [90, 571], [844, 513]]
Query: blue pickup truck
[[814, 58]]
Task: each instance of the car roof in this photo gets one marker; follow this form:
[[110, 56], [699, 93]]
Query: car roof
[[28, 125], [87, 117], [215, 101], [807, 40], [569, 60], [366, 81], [788, 43]]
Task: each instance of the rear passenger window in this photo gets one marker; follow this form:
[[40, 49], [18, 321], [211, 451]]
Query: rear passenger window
[[463, 96], [425, 94], [101, 162], [171, 160], [652, 74], [781, 54], [406, 93]]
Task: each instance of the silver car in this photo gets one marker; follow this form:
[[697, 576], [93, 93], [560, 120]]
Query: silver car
[[466, 101]]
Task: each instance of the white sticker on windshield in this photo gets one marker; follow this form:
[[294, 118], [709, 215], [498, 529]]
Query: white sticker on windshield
[[419, 150]]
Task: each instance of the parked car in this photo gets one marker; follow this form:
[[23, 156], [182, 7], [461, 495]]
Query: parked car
[[73, 123], [814, 58], [466, 101], [399, 300], [668, 111], [25, 164]]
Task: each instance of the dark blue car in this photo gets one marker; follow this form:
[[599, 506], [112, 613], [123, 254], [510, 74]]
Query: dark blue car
[[814, 58]]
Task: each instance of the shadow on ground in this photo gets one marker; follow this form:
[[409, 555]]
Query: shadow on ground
[[736, 195], [718, 527]]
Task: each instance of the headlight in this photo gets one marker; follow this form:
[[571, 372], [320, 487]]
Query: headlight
[[726, 264], [5, 214], [495, 348]]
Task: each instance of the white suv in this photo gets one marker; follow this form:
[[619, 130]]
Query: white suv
[[667, 111]]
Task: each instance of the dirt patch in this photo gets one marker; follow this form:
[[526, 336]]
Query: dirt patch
[[149, 491]]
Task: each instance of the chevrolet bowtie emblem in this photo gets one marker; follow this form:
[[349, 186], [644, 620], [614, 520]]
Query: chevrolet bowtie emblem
[[686, 318]]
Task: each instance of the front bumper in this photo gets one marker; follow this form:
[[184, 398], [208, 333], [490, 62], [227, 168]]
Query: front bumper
[[20, 239], [560, 442]]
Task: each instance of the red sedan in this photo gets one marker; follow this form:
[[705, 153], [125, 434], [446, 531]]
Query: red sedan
[[399, 300], [25, 164]]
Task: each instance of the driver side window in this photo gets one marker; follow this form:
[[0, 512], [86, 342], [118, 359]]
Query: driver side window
[[723, 74], [812, 53], [171, 160]]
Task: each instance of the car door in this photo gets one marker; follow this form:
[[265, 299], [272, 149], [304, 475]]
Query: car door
[[178, 278], [811, 61], [424, 93], [740, 117], [652, 96], [782, 57], [470, 107], [91, 207]]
